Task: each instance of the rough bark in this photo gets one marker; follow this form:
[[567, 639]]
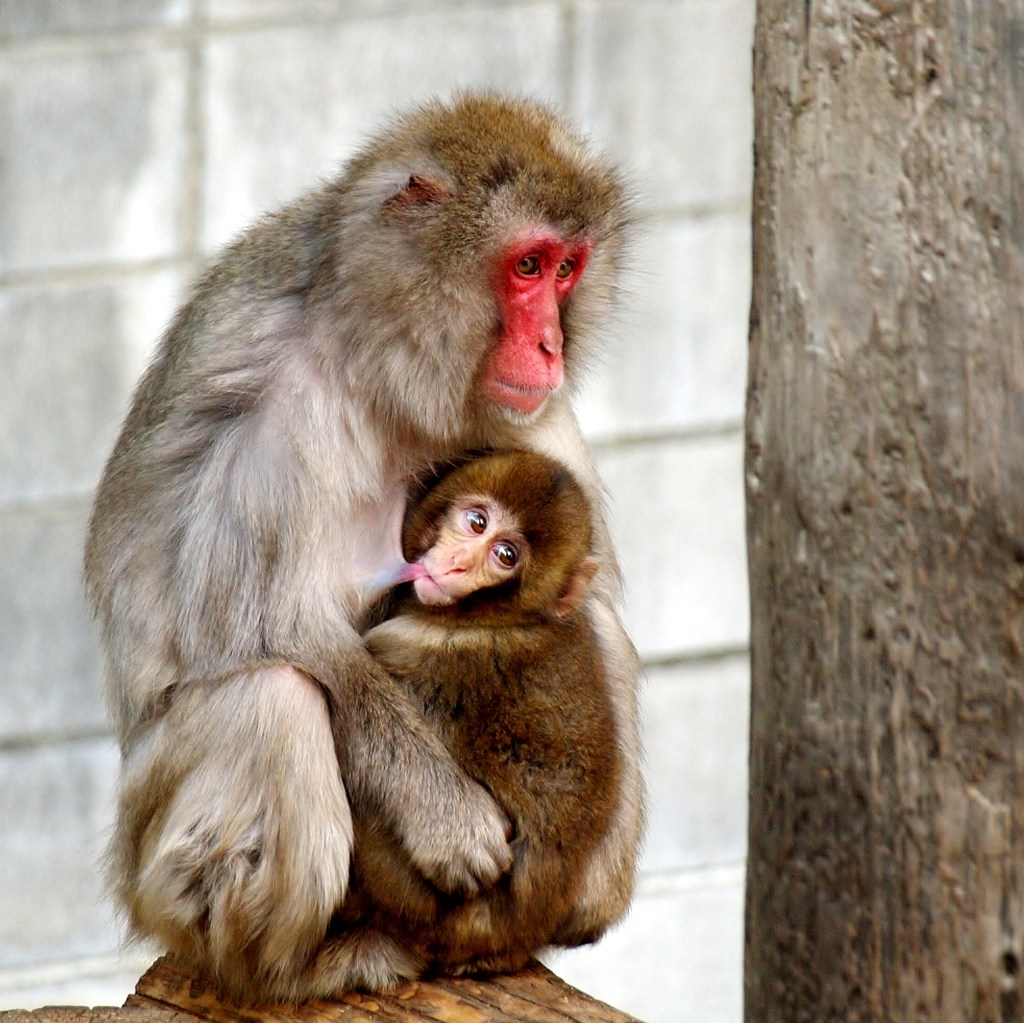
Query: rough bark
[[533, 995], [885, 488]]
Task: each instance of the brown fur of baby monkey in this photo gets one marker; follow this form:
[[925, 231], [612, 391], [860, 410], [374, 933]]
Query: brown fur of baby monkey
[[511, 678]]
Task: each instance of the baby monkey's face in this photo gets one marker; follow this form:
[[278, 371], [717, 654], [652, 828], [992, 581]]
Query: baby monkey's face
[[479, 544]]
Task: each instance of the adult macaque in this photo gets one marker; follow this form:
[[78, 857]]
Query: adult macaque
[[440, 295], [504, 665]]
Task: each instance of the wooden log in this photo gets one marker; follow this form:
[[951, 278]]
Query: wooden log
[[166, 994], [885, 503], [140, 1012]]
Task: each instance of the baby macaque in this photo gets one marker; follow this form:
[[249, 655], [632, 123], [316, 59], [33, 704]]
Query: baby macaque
[[493, 645]]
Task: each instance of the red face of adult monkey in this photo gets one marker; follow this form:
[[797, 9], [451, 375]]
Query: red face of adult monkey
[[436, 297]]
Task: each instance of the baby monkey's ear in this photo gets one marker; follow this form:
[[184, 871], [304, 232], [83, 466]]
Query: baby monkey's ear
[[576, 586]]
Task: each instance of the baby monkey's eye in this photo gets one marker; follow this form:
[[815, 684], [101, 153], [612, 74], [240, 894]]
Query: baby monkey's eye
[[476, 519], [506, 554], [528, 266]]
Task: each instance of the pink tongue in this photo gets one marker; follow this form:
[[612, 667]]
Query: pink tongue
[[408, 572]]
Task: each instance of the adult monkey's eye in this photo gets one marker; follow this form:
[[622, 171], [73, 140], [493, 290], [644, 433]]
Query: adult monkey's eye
[[528, 266], [565, 268], [476, 519], [506, 554]]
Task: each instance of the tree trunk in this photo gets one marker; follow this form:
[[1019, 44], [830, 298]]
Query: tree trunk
[[885, 488]]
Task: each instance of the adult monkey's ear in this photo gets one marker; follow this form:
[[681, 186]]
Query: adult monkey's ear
[[417, 192], [577, 586]]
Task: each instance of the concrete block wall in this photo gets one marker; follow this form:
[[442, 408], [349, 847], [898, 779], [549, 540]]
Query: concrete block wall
[[135, 137]]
